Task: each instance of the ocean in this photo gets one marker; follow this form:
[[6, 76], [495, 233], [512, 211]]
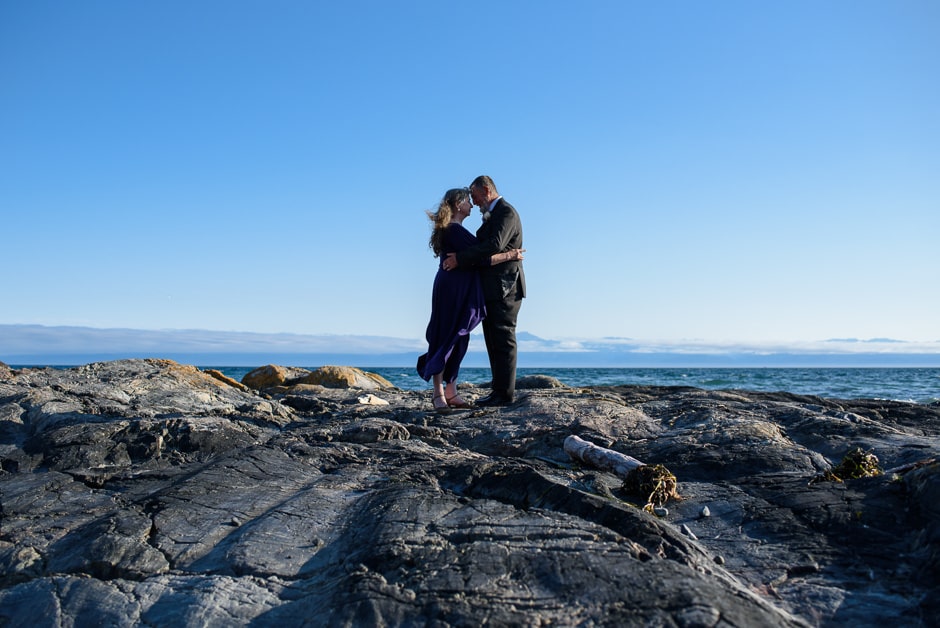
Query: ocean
[[919, 385]]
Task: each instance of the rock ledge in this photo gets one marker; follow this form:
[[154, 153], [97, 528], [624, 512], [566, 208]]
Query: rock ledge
[[145, 492]]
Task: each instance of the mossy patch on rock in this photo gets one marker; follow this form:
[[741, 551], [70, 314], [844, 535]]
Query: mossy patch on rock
[[855, 464], [655, 481]]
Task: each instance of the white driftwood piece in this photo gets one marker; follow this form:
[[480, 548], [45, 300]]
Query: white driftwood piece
[[604, 459]]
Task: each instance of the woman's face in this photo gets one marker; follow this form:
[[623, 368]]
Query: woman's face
[[464, 207]]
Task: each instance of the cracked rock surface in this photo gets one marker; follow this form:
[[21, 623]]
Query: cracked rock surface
[[145, 492]]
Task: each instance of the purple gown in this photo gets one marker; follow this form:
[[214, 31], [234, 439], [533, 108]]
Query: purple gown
[[457, 307]]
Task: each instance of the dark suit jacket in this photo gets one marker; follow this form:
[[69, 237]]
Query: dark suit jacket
[[502, 232]]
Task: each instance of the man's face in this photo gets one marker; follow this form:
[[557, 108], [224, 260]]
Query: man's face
[[478, 194]]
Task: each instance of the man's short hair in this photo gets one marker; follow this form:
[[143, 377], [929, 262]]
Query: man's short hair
[[484, 181]]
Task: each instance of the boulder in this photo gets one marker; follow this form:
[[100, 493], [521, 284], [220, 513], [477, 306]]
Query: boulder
[[267, 376], [346, 377], [535, 382]]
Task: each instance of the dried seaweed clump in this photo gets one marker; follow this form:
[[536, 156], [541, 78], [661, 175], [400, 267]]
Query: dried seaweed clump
[[855, 464], [654, 480]]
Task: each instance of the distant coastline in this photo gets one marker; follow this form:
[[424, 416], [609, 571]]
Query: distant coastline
[[62, 345], [478, 359]]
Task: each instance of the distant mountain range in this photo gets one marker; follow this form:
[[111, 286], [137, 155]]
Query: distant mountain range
[[39, 344]]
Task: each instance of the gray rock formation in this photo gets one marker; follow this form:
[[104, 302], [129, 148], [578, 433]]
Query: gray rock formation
[[144, 492]]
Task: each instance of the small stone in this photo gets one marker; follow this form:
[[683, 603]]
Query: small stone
[[706, 512], [719, 560], [372, 400], [661, 511]]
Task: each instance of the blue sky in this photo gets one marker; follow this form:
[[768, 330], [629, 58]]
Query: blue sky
[[712, 172]]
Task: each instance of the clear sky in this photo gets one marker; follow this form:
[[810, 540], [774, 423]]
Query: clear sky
[[725, 171]]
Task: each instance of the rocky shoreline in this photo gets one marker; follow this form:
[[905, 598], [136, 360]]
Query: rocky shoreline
[[145, 492]]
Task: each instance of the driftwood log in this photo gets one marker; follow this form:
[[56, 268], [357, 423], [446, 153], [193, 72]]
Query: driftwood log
[[604, 459], [656, 481]]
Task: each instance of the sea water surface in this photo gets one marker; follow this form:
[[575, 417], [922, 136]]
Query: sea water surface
[[919, 385]]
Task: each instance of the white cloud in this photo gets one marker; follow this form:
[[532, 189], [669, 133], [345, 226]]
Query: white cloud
[[18, 341], [37, 339]]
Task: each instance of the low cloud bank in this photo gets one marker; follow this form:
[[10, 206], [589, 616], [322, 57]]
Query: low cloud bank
[[846, 346], [38, 344]]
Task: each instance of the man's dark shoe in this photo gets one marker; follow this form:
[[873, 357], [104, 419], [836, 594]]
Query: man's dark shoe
[[493, 399]]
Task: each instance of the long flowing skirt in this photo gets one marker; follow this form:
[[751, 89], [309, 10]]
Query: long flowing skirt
[[457, 307]]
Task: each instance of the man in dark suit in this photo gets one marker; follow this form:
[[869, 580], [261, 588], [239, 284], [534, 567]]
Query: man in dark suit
[[503, 285]]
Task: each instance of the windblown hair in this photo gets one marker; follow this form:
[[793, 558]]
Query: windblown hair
[[444, 214]]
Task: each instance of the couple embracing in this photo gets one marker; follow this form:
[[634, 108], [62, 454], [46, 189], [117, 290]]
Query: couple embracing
[[479, 279]]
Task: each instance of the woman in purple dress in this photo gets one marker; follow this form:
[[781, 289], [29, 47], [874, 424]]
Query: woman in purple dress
[[456, 300]]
